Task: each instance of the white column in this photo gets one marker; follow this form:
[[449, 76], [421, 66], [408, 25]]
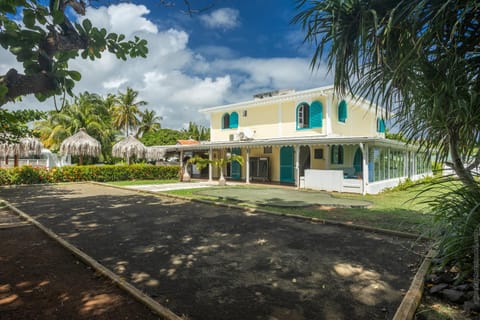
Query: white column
[[364, 149], [328, 116], [210, 167], [247, 167], [297, 166]]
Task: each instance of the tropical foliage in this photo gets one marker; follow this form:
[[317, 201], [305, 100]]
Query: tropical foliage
[[46, 40], [419, 58], [149, 122], [126, 111], [197, 132], [31, 175], [219, 163], [88, 111], [14, 124]]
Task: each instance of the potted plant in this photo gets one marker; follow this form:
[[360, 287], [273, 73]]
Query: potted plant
[[218, 163]]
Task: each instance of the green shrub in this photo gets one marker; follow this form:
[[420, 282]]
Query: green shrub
[[30, 175]]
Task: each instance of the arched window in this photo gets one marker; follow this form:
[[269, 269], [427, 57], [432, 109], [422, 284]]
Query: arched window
[[380, 125], [316, 114], [226, 121], [303, 115], [336, 154], [342, 111], [234, 120]]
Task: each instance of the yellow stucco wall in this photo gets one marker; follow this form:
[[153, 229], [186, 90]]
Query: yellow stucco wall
[[361, 120], [269, 120], [278, 119]]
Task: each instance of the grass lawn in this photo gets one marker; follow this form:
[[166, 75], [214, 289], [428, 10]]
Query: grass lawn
[[393, 210], [139, 182]]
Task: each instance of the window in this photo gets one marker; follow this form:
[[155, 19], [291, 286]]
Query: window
[[380, 125], [230, 121], [303, 115], [318, 153], [342, 111], [234, 120], [337, 154], [226, 121]]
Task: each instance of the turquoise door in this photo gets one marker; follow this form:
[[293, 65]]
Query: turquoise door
[[236, 172], [286, 165], [358, 161]]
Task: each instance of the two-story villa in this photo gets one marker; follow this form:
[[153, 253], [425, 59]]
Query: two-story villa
[[311, 139]]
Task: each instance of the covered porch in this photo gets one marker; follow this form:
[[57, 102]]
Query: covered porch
[[341, 164]]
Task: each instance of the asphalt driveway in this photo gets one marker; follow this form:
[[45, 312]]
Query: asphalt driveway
[[209, 262]]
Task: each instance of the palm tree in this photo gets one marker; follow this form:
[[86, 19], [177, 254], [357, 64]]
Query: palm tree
[[419, 58], [125, 113], [88, 111], [150, 122], [197, 132]]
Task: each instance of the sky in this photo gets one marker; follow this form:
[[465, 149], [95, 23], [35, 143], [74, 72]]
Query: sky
[[222, 55]]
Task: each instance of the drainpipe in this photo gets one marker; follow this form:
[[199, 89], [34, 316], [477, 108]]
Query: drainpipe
[[365, 173], [210, 167], [297, 166]]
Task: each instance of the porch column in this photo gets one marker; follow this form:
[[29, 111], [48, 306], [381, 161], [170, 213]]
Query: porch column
[[364, 149], [210, 167], [247, 167], [297, 166], [181, 164], [328, 116]]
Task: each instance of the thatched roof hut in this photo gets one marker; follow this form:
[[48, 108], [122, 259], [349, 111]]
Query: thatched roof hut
[[81, 144], [129, 148], [156, 153], [23, 148]]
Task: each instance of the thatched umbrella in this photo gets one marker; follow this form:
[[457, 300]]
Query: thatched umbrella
[[128, 148], [25, 147], [156, 153], [81, 144]]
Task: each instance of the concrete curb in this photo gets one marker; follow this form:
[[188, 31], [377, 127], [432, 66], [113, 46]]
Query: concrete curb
[[137, 294], [410, 302]]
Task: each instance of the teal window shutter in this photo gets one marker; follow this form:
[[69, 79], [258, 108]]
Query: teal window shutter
[[234, 120], [342, 111], [316, 114], [380, 125]]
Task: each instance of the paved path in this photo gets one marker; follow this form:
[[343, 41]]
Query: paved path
[[210, 262], [259, 194], [171, 186]]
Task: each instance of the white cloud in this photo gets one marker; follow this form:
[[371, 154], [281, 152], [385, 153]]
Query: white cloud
[[224, 18], [175, 80], [124, 18], [257, 75]]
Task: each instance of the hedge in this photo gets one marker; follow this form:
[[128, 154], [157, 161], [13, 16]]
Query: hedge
[[104, 173]]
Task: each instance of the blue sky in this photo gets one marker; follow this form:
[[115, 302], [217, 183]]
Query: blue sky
[[224, 55]]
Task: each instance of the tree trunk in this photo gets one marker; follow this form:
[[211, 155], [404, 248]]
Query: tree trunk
[[222, 181], [20, 85], [15, 160], [463, 173]]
